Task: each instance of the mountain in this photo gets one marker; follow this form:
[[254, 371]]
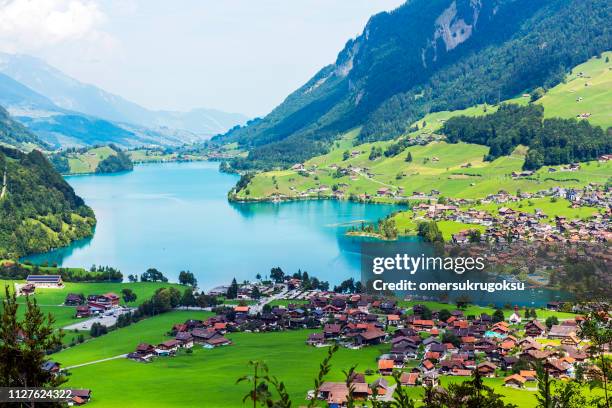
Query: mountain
[[70, 94], [427, 56], [56, 127], [39, 210], [14, 134]]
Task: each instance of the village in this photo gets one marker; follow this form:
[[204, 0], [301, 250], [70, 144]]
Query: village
[[423, 345]]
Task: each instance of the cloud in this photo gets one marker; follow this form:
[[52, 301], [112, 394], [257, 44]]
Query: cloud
[[30, 25]]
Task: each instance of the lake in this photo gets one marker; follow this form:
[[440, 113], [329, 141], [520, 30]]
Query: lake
[[176, 216]]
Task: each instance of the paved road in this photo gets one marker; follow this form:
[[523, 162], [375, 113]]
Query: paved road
[[257, 308], [95, 362], [102, 319]]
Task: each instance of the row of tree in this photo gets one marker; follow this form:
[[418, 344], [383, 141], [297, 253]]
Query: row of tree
[[551, 141]]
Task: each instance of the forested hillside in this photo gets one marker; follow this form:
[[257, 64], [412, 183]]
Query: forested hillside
[[551, 142], [15, 134], [427, 56], [38, 208]]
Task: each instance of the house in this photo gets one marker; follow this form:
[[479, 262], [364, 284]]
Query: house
[[514, 381], [385, 367], [73, 299], [83, 311], [170, 346], [316, 339], [486, 369], [409, 379], [185, 339], [51, 367], [371, 336], [104, 302], [217, 341], [528, 375], [45, 281], [80, 396], [431, 379], [144, 352], [534, 328], [561, 331], [336, 393]]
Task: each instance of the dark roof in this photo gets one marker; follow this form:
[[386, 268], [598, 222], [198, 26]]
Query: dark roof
[[44, 278]]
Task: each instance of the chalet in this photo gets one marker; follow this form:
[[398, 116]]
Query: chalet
[[486, 369], [409, 379], [423, 325], [556, 368], [83, 311], [45, 281], [528, 375], [185, 339], [241, 310], [80, 396], [105, 302], [51, 367], [73, 299], [217, 341], [393, 320], [331, 331], [571, 340], [168, 346], [561, 331], [534, 328], [514, 381], [144, 352], [385, 367], [316, 339], [336, 393], [431, 379], [369, 337]]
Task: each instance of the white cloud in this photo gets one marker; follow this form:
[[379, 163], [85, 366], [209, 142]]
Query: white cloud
[[30, 25]]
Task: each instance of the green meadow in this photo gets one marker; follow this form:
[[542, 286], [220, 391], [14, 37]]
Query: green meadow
[[88, 161], [208, 377], [456, 170], [51, 300]]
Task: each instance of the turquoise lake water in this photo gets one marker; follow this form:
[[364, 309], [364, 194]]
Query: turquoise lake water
[[175, 216]]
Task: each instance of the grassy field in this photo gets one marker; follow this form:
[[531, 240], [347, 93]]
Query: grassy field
[[51, 300], [455, 170], [478, 310], [588, 89], [174, 381], [81, 163]]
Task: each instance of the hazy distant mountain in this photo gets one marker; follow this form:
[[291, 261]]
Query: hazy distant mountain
[[59, 127], [73, 95]]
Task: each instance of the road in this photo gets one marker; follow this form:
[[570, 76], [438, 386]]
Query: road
[[102, 319], [95, 362]]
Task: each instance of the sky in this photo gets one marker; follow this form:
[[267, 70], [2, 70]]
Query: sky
[[241, 56]]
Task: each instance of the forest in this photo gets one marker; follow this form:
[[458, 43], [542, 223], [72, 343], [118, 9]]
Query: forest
[[39, 210], [551, 141]]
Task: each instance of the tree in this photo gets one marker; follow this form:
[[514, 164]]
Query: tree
[[277, 275], [232, 291], [544, 395], [188, 298], [409, 157], [21, 358], [346, 155], [187, 278], [133, 278], [551, 321], [498, 316], [128, 295], [597, 328], [444, 315], [255, 293], [153, 275]]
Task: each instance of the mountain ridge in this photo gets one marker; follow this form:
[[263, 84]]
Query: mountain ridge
[[73, 95], [426, 56]]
